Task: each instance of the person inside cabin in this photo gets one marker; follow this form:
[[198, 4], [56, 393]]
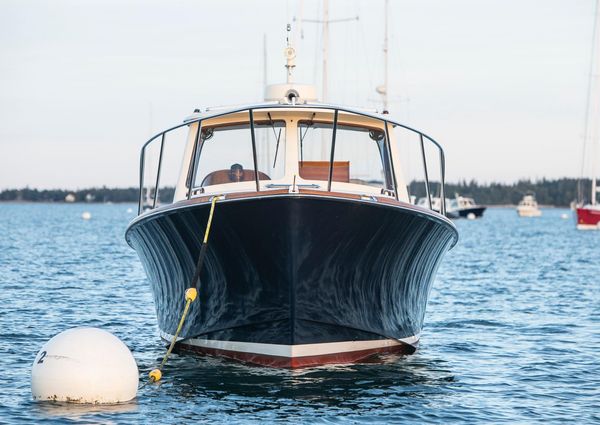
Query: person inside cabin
[[236, 173]]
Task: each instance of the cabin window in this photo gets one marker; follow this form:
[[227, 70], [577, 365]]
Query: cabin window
[[225, 153], [360, 155], [270, 149], [224, 156], [314, 146], [365, 152]]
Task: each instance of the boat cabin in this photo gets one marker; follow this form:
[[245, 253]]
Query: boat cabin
[[528, 201], [461, 202], [290, 144]]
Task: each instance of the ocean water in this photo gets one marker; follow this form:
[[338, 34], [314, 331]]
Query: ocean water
[[512, 332]]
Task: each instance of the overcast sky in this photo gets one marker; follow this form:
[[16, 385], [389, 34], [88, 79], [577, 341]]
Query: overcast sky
[[501, 84]]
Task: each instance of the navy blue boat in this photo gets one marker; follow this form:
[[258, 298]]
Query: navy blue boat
[[315, 255]]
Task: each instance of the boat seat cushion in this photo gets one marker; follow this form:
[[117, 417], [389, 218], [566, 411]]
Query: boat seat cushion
[[319, 170]]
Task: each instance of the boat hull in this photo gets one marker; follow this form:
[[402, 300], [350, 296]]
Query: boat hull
[[588, 218], [529, 212], [465, 212], [294, 272]]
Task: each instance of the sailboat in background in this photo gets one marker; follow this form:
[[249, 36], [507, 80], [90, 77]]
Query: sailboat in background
[[588, 215]]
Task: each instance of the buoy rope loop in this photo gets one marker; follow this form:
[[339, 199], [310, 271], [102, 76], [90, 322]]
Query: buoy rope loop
[[190, 294]]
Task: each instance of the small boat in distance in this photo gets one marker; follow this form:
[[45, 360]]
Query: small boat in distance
[[464, 207], [459, 207], [588, 216], [528, 207], [316, 254], [436, 205]]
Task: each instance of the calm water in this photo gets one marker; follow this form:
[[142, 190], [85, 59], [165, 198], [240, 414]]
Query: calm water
[[512, 331]]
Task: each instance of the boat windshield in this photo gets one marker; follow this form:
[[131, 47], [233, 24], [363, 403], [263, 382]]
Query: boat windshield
[[299, 148], [225, 153], [467, 202], [360, 155]]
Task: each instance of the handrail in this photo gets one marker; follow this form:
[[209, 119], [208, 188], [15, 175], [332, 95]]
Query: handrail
[[332, 154], [162, 145], [255, 162], [427, 192], [194, 161], [336, 109], [391, 159]]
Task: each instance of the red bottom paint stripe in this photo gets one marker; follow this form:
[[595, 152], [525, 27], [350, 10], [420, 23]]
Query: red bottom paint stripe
[[297, 362]]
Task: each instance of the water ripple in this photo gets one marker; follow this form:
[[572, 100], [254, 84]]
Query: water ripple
[[511, 336]]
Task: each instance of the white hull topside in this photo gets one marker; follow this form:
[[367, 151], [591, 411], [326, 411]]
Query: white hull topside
[[294, 351], [528, 212], [588, 226]]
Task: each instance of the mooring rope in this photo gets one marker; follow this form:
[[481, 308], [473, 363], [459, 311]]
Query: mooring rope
[[190, 294]]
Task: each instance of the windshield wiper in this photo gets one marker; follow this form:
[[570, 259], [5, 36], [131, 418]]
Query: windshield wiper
[[309, 125], [277, 136]]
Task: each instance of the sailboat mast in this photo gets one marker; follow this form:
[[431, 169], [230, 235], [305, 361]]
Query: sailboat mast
[[325, 47], [385, 56], [382, 89], [265, 60], [264, 140], [591, 134], [594, 76]]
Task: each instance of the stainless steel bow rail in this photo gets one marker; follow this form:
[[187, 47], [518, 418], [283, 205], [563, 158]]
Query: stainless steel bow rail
[[422, 137]]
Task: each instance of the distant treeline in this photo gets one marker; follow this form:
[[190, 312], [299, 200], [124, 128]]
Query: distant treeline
[[103, 194], [559, 192]]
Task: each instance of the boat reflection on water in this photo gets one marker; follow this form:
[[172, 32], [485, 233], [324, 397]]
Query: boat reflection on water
[[63, 411], [333, 384]]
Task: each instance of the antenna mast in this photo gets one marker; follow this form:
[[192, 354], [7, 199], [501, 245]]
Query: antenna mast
[[290, 55]]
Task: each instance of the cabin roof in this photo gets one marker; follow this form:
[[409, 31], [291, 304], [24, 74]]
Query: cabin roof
[[224, 110]]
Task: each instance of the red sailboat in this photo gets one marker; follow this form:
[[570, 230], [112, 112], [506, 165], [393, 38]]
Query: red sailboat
[[588, 214], [588, 217]]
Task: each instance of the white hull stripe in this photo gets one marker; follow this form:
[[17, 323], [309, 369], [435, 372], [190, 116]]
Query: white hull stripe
[[588, 227], [300, 350]]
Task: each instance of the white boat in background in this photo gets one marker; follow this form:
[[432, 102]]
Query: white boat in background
[[436, 205], [459, 207], [528, 207], [463, 207]]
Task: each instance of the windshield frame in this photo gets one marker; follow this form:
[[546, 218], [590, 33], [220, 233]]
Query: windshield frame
[[250, 110]]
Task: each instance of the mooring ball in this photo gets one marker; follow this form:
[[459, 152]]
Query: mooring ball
[[86, 215], [471, 216], [84, 365]]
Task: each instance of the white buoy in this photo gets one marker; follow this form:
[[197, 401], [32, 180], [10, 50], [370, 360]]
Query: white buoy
[[86, 215], [564, 216], [471, 216], [84, 365], [129, 210]]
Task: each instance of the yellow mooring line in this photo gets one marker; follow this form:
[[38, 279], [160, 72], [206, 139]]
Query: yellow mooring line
[[190, 295]]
